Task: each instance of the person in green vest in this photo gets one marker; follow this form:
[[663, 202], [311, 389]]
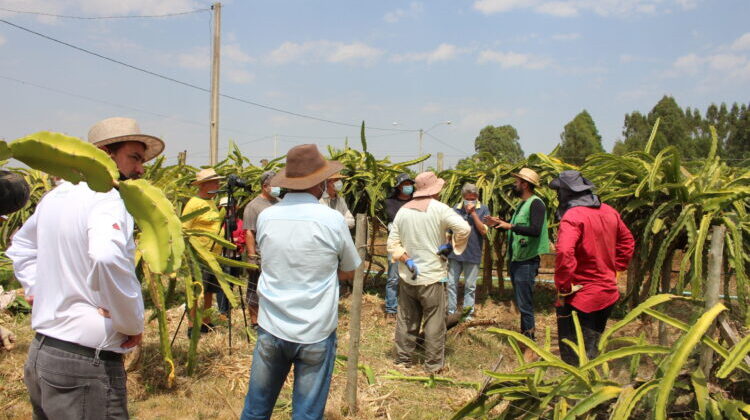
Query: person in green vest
[[527, 240]]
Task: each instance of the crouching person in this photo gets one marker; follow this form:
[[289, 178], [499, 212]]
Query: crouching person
[[306, 248]]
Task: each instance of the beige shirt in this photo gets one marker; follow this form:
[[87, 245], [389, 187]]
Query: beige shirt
[[419, 234]]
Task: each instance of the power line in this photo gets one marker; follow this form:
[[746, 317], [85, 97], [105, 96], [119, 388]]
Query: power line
[[30, 12], [128, 107], [193, 86], [445, 143]]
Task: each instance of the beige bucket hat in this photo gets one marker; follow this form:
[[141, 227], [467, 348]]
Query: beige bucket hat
[[120, 129], [528, 175], [305, 167], [427, 184], [205, 175]]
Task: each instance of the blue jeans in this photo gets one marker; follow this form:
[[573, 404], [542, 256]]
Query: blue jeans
[[471, 271], [391, 288], [522, 276], [272, 360]]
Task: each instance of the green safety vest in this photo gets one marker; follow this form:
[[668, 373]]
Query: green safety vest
[[527, 247]]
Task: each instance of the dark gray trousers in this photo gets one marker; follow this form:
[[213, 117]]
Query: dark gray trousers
[[65, 385]]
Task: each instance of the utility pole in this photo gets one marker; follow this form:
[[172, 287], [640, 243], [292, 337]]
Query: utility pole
[[214, 152], [275, 146], [421, 164], [440, 158]]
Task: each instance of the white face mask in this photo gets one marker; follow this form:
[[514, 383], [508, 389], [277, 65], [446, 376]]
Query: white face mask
[[324, 188], [338, 185]]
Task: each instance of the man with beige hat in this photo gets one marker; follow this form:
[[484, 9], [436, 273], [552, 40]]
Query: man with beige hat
[[417, 235], [527, 240], [75, 259], [306, 249], [207, 181]]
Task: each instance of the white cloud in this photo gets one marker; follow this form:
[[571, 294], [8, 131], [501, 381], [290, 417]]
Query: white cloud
[[476, 119], [233, 60], [323, 50], [566, 37], [558, 8], [100, 7], [415, 9], [239, 76], [2, 40], [498, 6], [234, 53], [432, 108], [727, 66], [443, 52], [742, 43], [690, 63], [572, 8], [513, 59]]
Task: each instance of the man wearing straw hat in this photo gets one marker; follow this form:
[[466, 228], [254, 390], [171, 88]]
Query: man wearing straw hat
[[75, 259], [527, 240], [207, 181], [416, 238], [306, 249]]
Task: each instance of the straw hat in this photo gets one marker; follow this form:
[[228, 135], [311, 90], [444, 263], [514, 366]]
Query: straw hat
[[528, 175], [118, 130], [305, 167], [205, 175], [428, 184]]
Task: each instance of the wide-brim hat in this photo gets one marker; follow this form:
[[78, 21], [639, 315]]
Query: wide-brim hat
[[205, 175], [573, 181], [427, 184], [118, 130], [305, 167], [528, 175]]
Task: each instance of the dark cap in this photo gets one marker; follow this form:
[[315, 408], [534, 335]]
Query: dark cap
[[14, 192], [571, 180], [401, 178], [266, 177]]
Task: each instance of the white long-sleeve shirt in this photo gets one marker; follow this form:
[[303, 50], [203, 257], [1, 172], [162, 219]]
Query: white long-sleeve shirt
[[74, 255], [419, 234]]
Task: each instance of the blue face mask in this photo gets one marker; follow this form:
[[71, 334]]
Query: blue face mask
[[275, 191], [407, 189]]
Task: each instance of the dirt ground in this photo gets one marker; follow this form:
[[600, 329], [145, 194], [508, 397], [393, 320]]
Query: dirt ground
[[217, 390]]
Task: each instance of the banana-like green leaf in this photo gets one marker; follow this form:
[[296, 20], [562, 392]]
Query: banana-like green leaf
[[192, 215], [679, 356], [738, 352], [700, 388], [604, 394], [632, 315], [651, 138], [624, 352], [629, 398], [216, 238]]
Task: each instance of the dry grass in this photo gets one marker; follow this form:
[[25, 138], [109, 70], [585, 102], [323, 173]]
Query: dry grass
[[218, 388]]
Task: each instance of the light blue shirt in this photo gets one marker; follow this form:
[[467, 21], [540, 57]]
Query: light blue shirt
[[303, 244]]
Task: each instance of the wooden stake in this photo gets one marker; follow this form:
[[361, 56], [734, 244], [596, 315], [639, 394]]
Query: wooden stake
[[360, 241], [712, 287]]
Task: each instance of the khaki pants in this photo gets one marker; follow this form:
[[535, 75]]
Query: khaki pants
[[421, 306]]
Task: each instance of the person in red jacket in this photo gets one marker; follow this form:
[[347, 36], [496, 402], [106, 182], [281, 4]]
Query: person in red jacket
[[593, 244]]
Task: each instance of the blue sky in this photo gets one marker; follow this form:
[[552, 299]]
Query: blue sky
[[533, 64]]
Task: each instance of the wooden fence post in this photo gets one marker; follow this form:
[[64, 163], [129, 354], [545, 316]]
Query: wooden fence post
[[360, 241], [712, 286]]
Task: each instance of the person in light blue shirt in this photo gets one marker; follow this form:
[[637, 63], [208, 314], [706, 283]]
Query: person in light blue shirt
[[306, 249]]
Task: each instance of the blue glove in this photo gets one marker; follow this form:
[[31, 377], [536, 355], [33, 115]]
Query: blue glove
[[445, 250], [413, 268]]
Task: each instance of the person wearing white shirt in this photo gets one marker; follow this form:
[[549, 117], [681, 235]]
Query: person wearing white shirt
[[306, 249], [74, 258], [416, 240], [332, 199]]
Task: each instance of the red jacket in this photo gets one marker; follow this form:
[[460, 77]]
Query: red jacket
[[592, 246]]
